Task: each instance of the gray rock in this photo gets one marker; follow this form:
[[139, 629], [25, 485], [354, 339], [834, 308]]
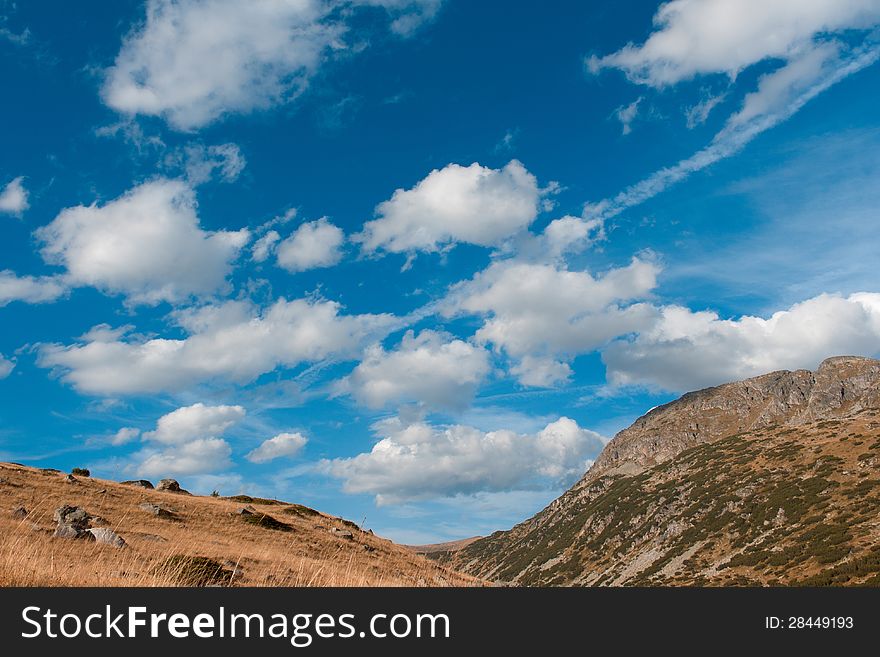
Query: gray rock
[[70, 479], [19, 513], [107, 536], [342, 533], [156, 510], [171, 486], [69, 531], [140, 483], [246, 511], [72, 515]]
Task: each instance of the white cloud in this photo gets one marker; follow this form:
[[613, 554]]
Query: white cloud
[[408, 15], [146, 245], [196, 457], [199, 162], [694, 37], [6, 367], [431, 368], [187, 441], [284, 444], [626, 114], [194, 422], [541, 313], [419, 461], [124, 436], [14, 198], [265, 246], [473, 204], [697, 114], [687, 350], [29, 289], [780, 95], [227, 342], [193, 61], [314, 244]]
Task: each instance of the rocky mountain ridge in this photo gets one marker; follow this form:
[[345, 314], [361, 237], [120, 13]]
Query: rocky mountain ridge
[[769, 480]]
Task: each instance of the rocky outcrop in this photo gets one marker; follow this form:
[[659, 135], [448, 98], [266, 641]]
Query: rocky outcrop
[[171, 486], [107, 537], [72, 522], [140, 483], [840, 387], [759, 481]]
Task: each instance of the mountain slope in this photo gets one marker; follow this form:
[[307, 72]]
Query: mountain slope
[[771, 480], [172, 538]]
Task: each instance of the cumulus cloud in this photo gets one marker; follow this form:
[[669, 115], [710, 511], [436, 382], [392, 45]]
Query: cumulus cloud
[[6, 367], [14, 198], [542, 314], [29, 289], [232, 341], [282, 445], [124, 436], [199, 163], [193, 61], [196, 457], [146, 245], [194, 422], [419, 461], [314, 244], [687, 350], [694, 37], [472, 204], [431, 368], [187, 441]]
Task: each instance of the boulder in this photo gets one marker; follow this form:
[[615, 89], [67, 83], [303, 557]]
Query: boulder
[[70, 479], [72, 515], [171, 486], [107, 537], [140, 483], [69, 531], [246, 511], [342, 533], [156, 510]]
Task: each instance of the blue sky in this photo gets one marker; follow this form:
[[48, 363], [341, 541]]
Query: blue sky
[[415, 261]]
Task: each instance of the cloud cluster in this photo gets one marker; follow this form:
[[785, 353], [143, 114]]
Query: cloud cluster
[[473, 205], [187, 441], [227, 342], [686, 350], [420, 461], [146, 245], [313, 244], [694, 37], [542, 314], [726, 36], [282, 445], [30, 289], [432, 368], [14, 198]]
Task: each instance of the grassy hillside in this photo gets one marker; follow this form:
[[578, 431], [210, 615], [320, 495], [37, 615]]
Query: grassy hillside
[[201, 540]]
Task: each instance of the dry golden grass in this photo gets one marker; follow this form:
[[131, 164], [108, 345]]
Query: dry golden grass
[[307, 555]]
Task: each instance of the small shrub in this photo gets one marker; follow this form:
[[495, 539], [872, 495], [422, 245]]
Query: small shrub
[[81, 472], [187, 570]]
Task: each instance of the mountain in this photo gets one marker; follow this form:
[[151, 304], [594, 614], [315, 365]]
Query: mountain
[[771, 480]]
